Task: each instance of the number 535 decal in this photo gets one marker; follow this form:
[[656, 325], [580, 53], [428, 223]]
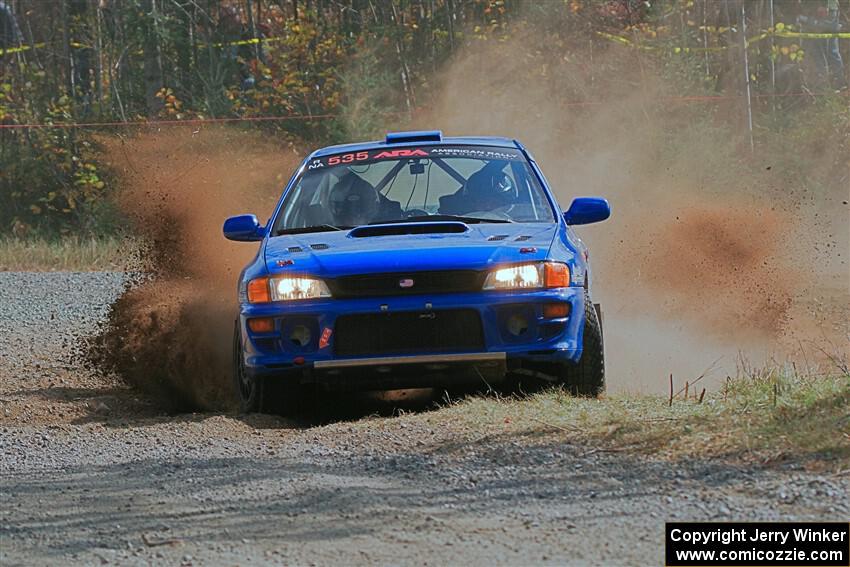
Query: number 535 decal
[[348, 158]]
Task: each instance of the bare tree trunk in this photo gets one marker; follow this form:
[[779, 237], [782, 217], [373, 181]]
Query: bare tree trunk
[[405, 70], [433, 37], [66, 49], [772, 60], [451, 9], [98, 54], [705, 38], [152, 67], [743, 32], [250, 10], [193, 38]]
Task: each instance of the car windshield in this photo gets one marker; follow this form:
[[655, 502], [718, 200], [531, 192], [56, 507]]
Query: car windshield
[[468, 183]]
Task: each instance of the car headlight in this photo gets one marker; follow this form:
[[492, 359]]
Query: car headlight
[[286, 288], [529, 276]]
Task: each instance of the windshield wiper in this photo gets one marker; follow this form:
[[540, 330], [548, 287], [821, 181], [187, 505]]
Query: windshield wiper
[[438, 218], [309, 229]]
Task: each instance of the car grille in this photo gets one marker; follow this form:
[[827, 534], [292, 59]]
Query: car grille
[[411, 283], [408, 332]]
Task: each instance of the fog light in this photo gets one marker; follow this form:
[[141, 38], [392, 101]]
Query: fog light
[[556, 310], [261, 325], [517, 325], [300, 335]]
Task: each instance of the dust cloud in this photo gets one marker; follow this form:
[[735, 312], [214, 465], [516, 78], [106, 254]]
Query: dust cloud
[[700, 267], [171, 336]]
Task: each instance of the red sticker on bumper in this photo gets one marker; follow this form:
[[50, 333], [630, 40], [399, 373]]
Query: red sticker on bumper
[[325, 338]]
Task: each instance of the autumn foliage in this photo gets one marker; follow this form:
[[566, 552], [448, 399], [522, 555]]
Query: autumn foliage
[[322, 71]]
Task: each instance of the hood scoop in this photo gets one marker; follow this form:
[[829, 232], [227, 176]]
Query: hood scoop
[[396, 229]]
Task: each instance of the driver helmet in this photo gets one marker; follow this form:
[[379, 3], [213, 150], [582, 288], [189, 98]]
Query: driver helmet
[[490, 188], [353, 201]]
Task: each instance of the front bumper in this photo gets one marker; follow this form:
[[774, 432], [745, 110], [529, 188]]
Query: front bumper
[[545, 339], [427, 360]]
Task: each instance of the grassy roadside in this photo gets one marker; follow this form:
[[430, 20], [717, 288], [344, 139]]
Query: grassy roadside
[[68, 254], [769, 416], [774, 417]]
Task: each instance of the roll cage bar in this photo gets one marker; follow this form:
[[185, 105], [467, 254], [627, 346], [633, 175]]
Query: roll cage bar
[[403, 162]]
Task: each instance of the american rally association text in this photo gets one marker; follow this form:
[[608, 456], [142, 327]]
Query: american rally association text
[[755, 534]]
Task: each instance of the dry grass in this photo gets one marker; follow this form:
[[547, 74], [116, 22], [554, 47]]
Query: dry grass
[[68, 254], [770, 417]]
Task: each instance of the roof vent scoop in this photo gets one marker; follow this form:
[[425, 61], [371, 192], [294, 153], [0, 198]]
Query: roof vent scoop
[[421, 136]]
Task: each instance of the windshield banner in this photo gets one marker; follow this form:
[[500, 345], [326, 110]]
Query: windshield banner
[[424, 152]]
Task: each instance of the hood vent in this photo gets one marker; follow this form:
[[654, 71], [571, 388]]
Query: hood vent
[[522, 238], [295, 249], [408, 228], [496, 237], [319, 246]]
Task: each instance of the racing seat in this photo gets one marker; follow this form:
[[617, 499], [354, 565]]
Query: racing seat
[[453, 204], [487, 189]]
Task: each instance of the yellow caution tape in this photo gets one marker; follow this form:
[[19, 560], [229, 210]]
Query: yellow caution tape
[[713, 29], [252, 41], [626, 41], [809, 35], [783, 33], [39, 45], [780, 31], [21, 48], [78, 45]]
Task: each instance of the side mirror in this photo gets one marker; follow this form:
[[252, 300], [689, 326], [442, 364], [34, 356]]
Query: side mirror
[[586, 210], [243, 228]]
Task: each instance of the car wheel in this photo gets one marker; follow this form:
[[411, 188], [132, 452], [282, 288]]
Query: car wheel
[[587, 377], [249, 389]]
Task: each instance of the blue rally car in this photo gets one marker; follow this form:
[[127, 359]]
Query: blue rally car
[[418, 261]]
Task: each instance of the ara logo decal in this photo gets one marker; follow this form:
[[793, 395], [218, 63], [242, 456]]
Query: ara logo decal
[[405, 283], [316, 163], [325, 339], [401, 153]]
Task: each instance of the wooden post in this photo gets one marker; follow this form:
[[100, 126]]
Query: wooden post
[[671, 390]]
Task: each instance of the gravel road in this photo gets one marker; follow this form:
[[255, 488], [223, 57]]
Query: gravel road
[[93, 473]]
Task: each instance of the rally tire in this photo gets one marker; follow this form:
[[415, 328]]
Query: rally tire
[[587, 377], [249, 389], [265, 395]]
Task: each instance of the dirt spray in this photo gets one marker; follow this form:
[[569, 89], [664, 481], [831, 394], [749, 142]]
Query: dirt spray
[[171, 335]]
